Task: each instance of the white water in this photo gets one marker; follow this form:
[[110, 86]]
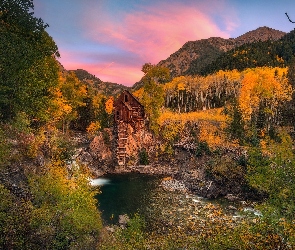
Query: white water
[[99, 182], [253, 211]]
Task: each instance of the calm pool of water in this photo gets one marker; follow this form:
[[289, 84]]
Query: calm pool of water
[[124, 194]]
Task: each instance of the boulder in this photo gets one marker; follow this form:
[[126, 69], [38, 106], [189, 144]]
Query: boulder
[[123, 220]]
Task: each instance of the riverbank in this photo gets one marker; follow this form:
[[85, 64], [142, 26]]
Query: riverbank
[[214, 173], [163, 207]]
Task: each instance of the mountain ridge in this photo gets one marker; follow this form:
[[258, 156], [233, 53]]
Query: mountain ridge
[[200, 53], [106, 88]]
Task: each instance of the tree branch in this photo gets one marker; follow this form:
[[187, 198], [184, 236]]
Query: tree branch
[[289, 18]]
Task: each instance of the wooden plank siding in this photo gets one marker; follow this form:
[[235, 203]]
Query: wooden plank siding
[[128, 109]]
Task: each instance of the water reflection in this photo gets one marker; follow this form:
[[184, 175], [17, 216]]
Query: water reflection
[[125, 194]]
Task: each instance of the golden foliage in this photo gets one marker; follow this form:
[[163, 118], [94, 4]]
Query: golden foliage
[[109, 105], [263, 84], [93, 128], [205, 115], [138, 93], [251, 87], [60, 106], [211, 125], [212, 133]]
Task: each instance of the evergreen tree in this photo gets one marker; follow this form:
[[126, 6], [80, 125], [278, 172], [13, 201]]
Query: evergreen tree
[[236, 124], [288, 109]]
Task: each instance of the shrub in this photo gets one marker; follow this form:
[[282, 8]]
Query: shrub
[[143, 157], [202, 149]]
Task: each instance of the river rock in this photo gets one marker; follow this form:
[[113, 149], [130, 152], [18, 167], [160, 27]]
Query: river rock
[[85, 157], [232, 208], [123, 220], [110, 229], [173, 185], [231, 197]]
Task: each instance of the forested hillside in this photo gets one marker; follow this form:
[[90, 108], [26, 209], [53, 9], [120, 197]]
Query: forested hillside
[[278, 53], [106, 88], [194, 56]]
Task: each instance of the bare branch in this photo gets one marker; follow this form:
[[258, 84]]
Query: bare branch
[[289, 18]]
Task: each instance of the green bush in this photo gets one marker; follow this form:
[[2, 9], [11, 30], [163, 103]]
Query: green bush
[[14, 221], [202, 149], [143, 157], [129, 238]]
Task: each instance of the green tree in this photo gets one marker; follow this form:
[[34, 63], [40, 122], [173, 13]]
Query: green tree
[[27, 65], [14, 221], [235, 122], [74, 92], [275, 175], [64, 212], [153, 94], [143, 157]]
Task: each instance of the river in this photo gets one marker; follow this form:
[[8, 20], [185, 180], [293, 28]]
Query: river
[[142, 194]]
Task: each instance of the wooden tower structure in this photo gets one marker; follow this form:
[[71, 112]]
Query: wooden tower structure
[[127, 111]]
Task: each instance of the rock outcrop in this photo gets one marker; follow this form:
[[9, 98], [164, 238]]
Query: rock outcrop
[[210, 174]]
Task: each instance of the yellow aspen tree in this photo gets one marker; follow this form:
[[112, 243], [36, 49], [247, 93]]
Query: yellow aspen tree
[[109, 105], [138, 94]]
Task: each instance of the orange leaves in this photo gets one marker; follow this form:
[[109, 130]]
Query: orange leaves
[[211, 133], [247, 99], [251, 87], [178, 84], [210, 115], [263, 84], [93, 128], [109, 105], [138, 93], [60, 107]]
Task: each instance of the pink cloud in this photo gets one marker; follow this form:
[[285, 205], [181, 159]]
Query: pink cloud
[[107, 72], [147, 34], [157, 31], [117, 73]]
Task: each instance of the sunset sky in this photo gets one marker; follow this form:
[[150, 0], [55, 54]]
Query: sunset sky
[[112, 39]]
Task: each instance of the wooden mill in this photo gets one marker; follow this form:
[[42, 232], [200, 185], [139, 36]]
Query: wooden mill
[[127, 111]]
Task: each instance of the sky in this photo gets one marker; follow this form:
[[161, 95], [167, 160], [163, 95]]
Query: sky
[[112, 39]]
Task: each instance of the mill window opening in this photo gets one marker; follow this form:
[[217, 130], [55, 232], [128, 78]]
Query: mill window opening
[[126, 98]]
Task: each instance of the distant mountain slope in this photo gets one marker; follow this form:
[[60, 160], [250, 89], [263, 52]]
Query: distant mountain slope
[[195, 55], [260, 34], [107, 88], [83, 75], [279, 53], [199, 53]]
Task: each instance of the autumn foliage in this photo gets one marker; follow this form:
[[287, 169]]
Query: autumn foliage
[[46, 199]]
